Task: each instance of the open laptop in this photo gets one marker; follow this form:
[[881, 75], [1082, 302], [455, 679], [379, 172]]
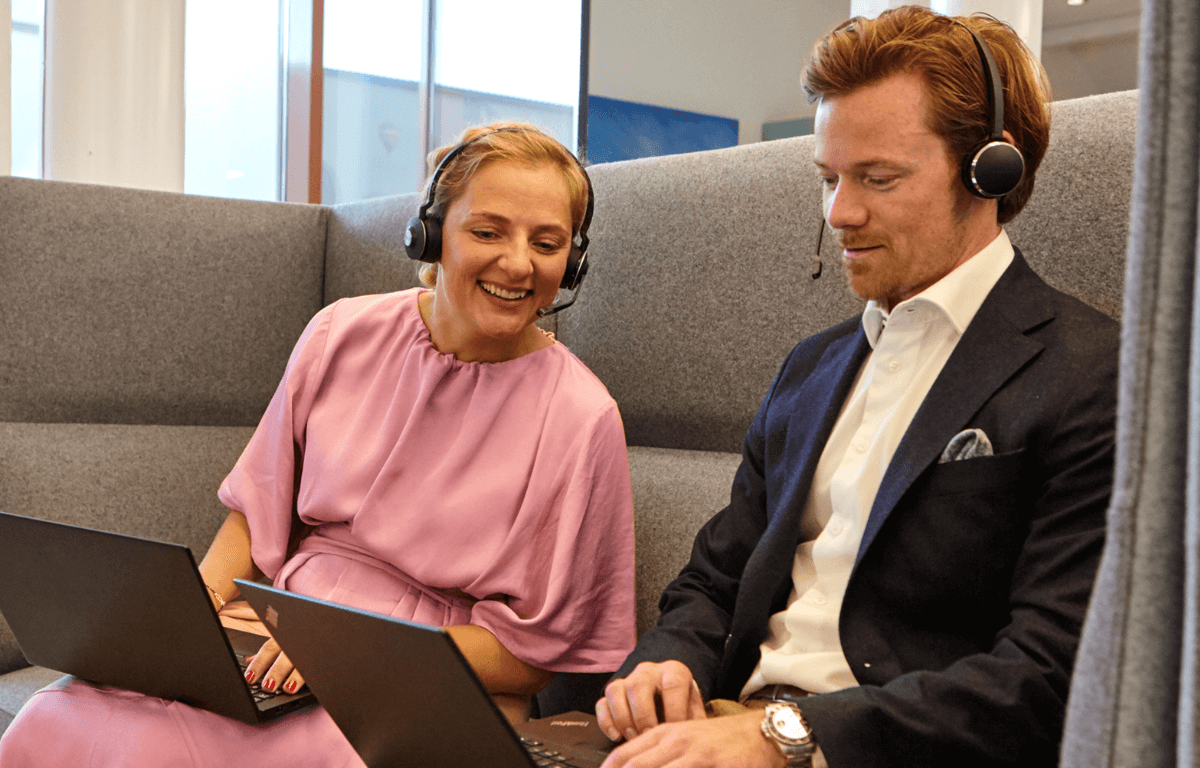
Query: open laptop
[[404, 695], [126, 612]]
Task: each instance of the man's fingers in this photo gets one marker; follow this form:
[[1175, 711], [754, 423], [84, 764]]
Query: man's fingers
[[696, 709], [620, 718], [643, 691], [677, 691]]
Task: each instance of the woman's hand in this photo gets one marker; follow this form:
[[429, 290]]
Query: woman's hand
[[270, 666]]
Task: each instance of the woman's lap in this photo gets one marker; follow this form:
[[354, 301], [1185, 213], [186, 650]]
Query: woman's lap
[[90, 727]]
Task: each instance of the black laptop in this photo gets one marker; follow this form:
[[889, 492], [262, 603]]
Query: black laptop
[[404, 695], [126, 612]]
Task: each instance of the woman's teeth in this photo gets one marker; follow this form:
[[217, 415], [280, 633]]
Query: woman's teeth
[[496, 290]]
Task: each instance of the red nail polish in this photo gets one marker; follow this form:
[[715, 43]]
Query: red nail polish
[[290, 687], [269, 686], [249, 675]]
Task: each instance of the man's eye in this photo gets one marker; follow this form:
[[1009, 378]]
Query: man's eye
[[879, 182], [829, 181]]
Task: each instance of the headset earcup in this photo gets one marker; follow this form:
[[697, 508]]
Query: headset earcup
[[577, 267], [423, 239], [414, 238], [993, 170]]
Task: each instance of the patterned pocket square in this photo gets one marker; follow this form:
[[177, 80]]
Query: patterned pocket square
[[968, 444]]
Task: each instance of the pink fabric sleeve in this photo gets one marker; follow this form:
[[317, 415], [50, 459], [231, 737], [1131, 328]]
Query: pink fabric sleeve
[[262, 483], [574, 610]]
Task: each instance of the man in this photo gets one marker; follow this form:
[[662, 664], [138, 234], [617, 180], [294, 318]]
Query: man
[[902, 572]]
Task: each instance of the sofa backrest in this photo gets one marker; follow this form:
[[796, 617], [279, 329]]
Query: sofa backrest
[[127, 306]]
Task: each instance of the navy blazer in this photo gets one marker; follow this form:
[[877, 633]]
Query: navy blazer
[[964, 608]]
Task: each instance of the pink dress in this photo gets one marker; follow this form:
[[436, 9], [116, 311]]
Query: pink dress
[[418, 471]]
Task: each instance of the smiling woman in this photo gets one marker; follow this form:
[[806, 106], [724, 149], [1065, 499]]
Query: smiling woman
[[448, 463]]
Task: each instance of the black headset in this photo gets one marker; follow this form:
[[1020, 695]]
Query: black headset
[[994, 168], [423, 235]]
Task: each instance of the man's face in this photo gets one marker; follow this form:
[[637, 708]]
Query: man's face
[[892, 195]]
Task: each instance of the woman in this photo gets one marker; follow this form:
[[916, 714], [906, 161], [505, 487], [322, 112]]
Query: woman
[[450, 462]]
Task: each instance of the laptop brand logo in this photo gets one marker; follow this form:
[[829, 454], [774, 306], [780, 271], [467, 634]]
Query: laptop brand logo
[[272, 616]]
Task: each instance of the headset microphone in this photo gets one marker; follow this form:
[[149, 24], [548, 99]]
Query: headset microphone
[[817, 257]]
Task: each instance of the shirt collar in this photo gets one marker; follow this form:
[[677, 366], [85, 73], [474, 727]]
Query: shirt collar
[[958, 295]]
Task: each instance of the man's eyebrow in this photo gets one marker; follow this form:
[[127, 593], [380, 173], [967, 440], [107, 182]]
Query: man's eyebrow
[[865, 165]]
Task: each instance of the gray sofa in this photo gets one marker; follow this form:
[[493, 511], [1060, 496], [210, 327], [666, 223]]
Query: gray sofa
[[142, 333]]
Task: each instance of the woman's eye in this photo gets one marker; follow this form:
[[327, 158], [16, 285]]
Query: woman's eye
[[548, 246], [484, 234]]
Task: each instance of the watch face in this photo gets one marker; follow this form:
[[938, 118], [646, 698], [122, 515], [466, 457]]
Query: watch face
[[788, 724]]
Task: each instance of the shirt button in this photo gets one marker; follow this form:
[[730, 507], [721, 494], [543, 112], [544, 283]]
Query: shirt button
[[819, 599], [835, 527], [862, 444], [894, 365]]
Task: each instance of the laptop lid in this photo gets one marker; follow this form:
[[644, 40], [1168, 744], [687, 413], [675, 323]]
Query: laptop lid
[[402, 693], [121, 611]]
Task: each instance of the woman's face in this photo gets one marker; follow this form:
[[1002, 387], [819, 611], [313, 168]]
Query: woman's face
[[505, 242]]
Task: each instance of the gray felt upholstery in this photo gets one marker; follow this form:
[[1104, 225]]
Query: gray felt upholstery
[[144, 332]]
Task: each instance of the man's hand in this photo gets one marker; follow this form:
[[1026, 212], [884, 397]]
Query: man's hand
[[736, 741], [653, 693]]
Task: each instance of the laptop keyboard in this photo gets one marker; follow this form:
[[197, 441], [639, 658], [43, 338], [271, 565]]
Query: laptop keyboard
[[545, 756]]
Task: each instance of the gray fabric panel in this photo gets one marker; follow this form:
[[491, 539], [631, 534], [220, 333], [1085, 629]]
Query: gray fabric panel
[[129, 306], [365, 249], [701, 268], [17, 687], [1075, 229], [675, 492], [1139, 645], [157, 482], [700, 283]]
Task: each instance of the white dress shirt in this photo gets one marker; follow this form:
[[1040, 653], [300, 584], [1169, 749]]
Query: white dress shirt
[[909, 348]]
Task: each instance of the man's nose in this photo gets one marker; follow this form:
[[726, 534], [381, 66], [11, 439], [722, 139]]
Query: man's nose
[[844, 207]]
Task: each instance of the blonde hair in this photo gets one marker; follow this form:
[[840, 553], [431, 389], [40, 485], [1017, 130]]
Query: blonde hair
[[502, 141]]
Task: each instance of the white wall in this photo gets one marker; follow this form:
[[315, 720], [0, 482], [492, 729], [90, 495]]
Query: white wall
[[5, 87], [740, 60]]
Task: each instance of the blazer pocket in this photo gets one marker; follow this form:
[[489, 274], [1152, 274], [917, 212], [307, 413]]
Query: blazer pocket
[[984, 473]]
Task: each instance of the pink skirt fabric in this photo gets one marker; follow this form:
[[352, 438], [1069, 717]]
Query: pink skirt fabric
[[85, 726]]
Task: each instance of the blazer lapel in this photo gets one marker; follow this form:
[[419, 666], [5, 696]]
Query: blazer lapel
[[993, 348]]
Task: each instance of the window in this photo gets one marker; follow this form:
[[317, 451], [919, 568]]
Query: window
[[28, 23], [232, 99], [518, 62]]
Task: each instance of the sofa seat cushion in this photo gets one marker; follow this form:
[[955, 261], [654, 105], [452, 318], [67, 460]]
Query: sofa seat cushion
[[16, 688]]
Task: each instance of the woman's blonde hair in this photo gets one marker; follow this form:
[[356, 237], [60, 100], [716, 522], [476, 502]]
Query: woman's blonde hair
[[510, 141]]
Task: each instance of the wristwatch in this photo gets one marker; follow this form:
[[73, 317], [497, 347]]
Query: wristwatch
[[784, 725]]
